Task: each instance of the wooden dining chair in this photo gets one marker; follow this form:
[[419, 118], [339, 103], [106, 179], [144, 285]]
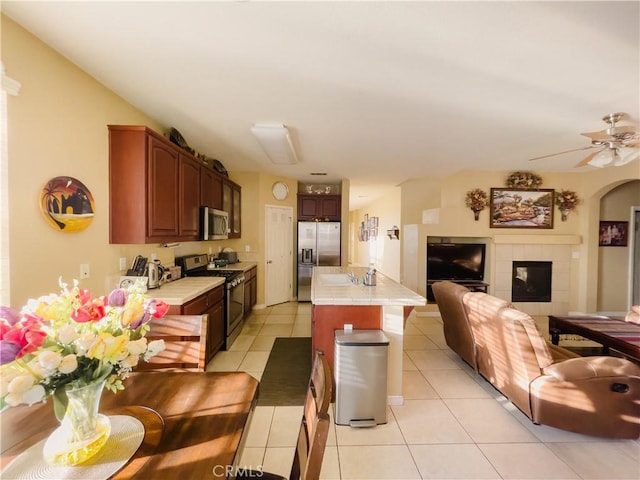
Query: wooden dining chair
[[314, 428]]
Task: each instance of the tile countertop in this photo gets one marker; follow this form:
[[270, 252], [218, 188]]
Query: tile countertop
[[181, 291], [385, 292]]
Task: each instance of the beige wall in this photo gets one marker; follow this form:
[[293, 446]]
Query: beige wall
[[613, 262], [382, 251], [447, 195], [57, 126]]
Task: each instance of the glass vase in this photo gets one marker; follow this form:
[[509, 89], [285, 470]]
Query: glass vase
[[563, 214], [83, 431]]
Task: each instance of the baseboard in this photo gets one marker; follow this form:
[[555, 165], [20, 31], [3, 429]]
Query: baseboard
[[259, 306]]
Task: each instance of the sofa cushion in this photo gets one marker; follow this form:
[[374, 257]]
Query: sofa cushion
[[482, 310], [457, 331]]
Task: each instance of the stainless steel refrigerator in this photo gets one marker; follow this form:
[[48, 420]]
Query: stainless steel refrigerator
[[318, 245]]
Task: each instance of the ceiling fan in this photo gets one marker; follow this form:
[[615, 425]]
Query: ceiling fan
[[617, 144]]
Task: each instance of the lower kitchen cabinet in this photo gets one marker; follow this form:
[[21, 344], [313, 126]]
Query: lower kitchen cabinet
[[250, 289], [212, 304]]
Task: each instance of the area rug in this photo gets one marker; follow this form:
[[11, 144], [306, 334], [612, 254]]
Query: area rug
[[286, 375]]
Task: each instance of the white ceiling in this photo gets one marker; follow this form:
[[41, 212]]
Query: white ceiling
[[374, 92]]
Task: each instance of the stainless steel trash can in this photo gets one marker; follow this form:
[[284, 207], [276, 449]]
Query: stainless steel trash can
[[360, 370]]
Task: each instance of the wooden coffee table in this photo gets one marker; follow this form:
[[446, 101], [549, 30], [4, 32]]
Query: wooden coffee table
[[612, 332]]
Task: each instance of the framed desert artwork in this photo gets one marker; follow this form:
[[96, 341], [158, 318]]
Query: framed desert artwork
[[520, 208]]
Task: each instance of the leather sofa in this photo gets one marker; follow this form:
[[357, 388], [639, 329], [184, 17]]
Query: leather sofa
[[553, 386]]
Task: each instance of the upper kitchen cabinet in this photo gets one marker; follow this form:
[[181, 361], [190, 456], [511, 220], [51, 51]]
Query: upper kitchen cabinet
[[189, 218], [232, 203], [210, 188], [154, 188], [319, 207]]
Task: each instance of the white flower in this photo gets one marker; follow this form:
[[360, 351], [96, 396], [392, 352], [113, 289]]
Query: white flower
[[84, 342], [13, 399], [137, 347], [8, 374], [67, 334], [68, 364], [33, 395], [154, 348], [21, 384], [36, 369], [49, 360], [130, 362]]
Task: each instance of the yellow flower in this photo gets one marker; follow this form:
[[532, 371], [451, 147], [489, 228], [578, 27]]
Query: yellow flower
[[108, 348], [130, 315]]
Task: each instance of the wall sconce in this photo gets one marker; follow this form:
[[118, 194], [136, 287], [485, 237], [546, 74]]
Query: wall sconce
[[393, 233], [276, 143]]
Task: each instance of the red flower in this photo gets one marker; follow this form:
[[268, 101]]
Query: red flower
[[91, 312], [159, 309], [27, 335]]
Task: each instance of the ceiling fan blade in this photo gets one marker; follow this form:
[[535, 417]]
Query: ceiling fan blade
[[587, 159], [562, 153], [602, 135]]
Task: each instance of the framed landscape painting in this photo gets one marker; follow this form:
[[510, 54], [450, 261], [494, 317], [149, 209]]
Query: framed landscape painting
[[516, 208]]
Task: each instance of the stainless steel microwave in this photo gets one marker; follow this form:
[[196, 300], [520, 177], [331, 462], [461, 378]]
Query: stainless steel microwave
[[214, 224]]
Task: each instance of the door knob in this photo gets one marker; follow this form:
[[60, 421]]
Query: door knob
[[269, 261]]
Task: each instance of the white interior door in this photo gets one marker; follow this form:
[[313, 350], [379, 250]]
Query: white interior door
[[279, 254]]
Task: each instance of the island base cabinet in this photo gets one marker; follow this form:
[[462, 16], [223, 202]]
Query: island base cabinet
[[326, 319]]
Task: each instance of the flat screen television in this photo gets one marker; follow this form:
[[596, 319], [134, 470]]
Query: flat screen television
[[455, 261]]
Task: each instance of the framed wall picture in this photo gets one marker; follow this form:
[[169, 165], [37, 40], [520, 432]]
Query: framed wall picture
[[613, 234], [519, 208]]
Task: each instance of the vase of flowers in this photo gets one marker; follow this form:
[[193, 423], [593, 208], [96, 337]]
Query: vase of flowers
[[566, 200], [477, 200], [71, 346]]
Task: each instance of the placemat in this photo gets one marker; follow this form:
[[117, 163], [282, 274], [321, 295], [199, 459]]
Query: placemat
[[126, 436]]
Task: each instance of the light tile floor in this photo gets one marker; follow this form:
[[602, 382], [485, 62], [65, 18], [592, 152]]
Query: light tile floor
[[453, 424]]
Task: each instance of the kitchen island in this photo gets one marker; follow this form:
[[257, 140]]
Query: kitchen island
[[338, 300]]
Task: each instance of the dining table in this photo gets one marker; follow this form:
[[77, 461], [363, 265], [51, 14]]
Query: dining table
[[194, 423]]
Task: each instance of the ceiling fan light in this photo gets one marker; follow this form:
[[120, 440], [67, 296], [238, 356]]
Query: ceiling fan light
[[627, 155], [604, 158]]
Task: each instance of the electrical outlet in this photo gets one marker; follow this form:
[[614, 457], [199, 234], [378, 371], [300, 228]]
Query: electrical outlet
[[84, 270], [123, 263]]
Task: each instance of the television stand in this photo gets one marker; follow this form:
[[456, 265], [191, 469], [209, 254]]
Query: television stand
[[473, 285]]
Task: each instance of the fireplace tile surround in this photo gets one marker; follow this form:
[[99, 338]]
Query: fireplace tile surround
[[560, 256]]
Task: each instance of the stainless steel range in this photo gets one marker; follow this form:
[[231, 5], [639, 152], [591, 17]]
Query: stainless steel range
[[198, 266]]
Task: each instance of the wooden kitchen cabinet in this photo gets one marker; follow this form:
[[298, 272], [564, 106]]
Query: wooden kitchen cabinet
[[250, 289], [232, 203], [189, 218], [156, 189], [210, 188], [319, 207], [212, 304]]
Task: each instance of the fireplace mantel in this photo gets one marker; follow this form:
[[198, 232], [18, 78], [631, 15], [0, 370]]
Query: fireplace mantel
[[537, 239]]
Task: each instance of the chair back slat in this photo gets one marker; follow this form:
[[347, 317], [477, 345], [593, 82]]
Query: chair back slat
[[314, 427]]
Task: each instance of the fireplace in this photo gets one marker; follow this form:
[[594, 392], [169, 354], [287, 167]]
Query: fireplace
[[531, 282]]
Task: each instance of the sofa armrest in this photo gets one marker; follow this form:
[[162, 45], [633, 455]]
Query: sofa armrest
[[589, 367]]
